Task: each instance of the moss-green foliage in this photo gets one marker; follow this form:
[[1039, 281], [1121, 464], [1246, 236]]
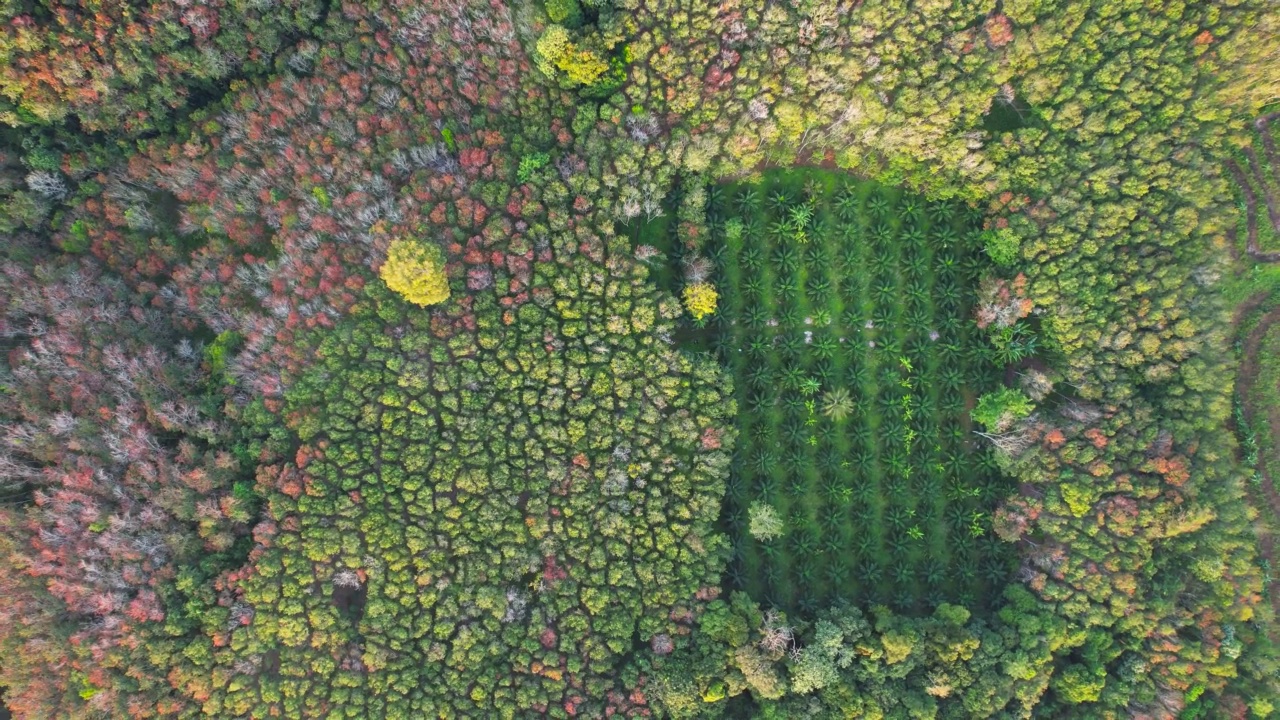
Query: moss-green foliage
[[998, 410], [531, 164], [564, 12], [845, 320], [217, 352], [477, 522], [851, 664], [1001, 245]]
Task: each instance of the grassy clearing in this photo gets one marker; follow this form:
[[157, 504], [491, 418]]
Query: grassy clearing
[[1256, 170], [845, 319]]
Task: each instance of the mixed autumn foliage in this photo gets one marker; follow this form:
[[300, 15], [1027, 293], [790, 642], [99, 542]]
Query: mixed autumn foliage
[[241, 477]]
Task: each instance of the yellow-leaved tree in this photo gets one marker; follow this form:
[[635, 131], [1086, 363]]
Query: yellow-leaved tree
[[415, 270], [700, 299]]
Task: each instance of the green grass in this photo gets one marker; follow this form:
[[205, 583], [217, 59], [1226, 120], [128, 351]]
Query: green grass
[[1262, 177], [869, 298]]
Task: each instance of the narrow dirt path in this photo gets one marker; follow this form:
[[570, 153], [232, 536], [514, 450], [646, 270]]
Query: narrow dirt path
[[1263, 124], [1246, 378], [1268, 197], [1251, 215]]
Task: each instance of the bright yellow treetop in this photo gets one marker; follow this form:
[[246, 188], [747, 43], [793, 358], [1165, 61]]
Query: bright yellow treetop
[[700, 299], [415, 270]]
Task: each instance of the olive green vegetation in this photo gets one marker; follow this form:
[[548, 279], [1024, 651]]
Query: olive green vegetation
[[845, 318], [1256, 170], [505, 510]]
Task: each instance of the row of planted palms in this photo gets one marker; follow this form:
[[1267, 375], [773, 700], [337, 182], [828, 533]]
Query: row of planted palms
[[845, 319]]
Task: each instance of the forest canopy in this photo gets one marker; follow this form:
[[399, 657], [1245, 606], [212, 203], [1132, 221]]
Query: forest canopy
[[631, 358]]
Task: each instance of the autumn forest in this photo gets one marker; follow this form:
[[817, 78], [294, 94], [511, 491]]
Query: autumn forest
[[857, 359]]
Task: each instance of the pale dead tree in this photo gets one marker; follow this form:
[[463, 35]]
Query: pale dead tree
[[386, 96], [1036, 384], [303, 60], [62, 424], [776, 637], [662, 644], [125, 192], [215, 62], [629, 208], [400, 161], [1084, 413], [138, 217], [697, 269], [517, 603], [1011, 443], [644, 253], [14, 473], [346, 578], [344, 129], [652, 204], [643, 127], [49, 184]]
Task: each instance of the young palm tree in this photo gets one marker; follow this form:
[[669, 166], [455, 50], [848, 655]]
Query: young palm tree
[[819, 289], [768, 485], [910, 209], [794, 374], [899, 545], [994, 571], [847, 205], [882, 264], [797, 486], [884, 293], [939, 212], [810, 386], [913, 236], [779, 232], [735, 519], [856, 374], [747, 200], [757, 348], [824, 348], [800, 216], [760, 376], [804, 544], [735, 576], [851, 257], [755, 317], [787, 259], [813, 187], [882, 236], [918, 319], [837, 573], [764, 462], [837, 404]]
